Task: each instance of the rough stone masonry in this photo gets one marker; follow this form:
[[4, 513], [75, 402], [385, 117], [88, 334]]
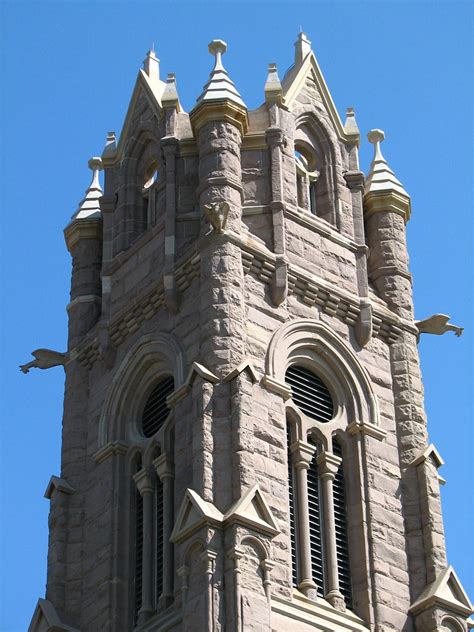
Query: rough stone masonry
[[229, 253]]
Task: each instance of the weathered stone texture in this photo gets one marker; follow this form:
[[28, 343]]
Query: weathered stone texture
[[201, 274]]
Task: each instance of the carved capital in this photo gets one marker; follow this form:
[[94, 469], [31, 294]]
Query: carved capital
[[328, 465], [302, 454], [144, 480], [275, 137], [164, 467]]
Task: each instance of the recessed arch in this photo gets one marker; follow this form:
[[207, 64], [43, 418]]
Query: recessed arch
[[150, 357], [346, 378]]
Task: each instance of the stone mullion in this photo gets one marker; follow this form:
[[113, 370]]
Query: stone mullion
[[165, 471], [146, 487], [302, 454], [328, 465]]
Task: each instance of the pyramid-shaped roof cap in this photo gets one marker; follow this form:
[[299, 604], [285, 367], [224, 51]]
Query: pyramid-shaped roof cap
[[381, 178], [89, 206], [220, 86]]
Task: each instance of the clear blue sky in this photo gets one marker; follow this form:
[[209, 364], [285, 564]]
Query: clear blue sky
[[68, 70]]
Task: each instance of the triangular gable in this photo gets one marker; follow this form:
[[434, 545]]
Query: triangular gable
[[60, 485], [246, 365], [294, 82], [46, 619], [446, 591], [429, 452], [153, 90], [253, 510], [193, 513]]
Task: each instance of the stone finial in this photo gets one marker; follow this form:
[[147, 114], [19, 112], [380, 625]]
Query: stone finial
[[302, 48], [381, 178], [273, 88], [219, 87], [170, 94], [151, 65], [350, 126], [89, 206], [110, 145]]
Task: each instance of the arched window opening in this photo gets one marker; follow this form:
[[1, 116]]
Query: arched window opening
[[310, 393], [306, 179], [150, 178], [340, 519], [315, 511], [291, 507], [156, 409]]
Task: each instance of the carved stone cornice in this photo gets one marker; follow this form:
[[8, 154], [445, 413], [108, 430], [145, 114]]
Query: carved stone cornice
[[82, 229], [210, 112], [387, 202]]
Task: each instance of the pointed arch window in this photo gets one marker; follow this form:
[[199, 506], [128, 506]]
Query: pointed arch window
[[151, 177], [307, 176]]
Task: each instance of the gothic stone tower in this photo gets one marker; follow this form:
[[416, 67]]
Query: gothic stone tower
[[244, 439]]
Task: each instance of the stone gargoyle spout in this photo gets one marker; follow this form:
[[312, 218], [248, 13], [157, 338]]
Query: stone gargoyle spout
[[44, 359]]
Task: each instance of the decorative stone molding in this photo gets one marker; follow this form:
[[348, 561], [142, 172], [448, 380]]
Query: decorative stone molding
[[368, 429], [252, 510], [114, 448], [58, 484], [246, 366], [194, 512], [140, 366], [429, 452], [311, 335], [445, 592]]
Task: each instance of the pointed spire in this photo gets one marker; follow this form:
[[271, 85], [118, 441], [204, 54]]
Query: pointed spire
[[170, 95], [89, 206], [151, 65], [381, 178], [273, 88], [219, 87], [350, 126], [110, 146], [302, 48]]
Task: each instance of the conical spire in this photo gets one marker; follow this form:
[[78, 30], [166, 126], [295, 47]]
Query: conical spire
[[89, 207], [381, 178], [219, 87]]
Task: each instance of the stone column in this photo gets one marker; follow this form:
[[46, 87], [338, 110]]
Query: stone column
[[146, 487], [328, 465], [165, 470], [170, 146], [302, 454]]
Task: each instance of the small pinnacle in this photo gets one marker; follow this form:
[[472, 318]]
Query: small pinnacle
[[375, 136]]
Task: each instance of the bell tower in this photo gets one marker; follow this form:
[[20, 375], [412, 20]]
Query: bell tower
[[245, 446]]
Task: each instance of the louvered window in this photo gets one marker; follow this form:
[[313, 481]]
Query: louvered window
[[341, 530], [291, 500], [310, 393], [156, 409], [158, 540], [315, 530]]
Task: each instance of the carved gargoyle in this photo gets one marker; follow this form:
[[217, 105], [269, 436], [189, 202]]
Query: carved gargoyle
[[438, 325], [217, 213], [44, 359]]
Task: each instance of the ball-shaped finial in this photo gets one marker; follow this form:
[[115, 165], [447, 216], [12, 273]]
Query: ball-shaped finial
[[95, 163], [217, 47], [375, 136]]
